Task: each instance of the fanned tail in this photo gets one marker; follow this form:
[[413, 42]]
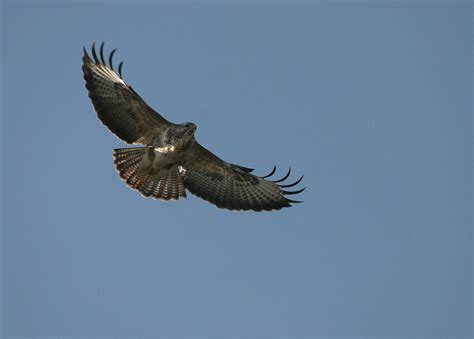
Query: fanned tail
[[135, 167]]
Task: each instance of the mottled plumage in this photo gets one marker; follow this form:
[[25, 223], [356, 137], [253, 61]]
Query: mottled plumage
[[171, 159]]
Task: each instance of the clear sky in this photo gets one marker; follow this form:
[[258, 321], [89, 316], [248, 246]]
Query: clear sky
[[370, 100]]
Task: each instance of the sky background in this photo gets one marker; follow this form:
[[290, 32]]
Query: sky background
[[371, 101]]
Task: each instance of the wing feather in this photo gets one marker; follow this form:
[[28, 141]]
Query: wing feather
[[117, 105], [231, 186]]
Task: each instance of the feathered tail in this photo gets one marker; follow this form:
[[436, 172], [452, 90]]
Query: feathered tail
[[136, 166]]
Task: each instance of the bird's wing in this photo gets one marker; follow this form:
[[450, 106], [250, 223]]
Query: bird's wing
[[117, 105], [231, 186]]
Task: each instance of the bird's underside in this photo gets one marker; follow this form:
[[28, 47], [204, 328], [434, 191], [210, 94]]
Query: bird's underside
[[170, 160]]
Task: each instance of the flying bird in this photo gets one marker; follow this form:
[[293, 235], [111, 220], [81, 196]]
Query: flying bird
[[170, 160]]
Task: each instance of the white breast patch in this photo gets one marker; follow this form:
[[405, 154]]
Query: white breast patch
[[166, 149]]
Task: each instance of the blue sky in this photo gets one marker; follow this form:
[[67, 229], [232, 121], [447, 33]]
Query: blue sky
[[371, 101]]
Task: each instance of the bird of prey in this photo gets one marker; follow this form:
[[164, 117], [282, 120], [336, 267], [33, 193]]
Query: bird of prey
[[170, 160]]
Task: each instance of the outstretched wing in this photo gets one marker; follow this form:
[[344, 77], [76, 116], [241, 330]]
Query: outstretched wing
[[231, 186], [117, 105]]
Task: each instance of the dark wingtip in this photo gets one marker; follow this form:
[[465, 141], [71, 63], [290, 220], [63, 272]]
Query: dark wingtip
[[293, 192], [284, 192], [293, 184], [94, 54], [102, 52], [85, 55], [284, 178], [293, 201], [111, 57], [271, 173], [120, 69]]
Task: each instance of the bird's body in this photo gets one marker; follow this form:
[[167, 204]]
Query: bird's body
[[171, 160]]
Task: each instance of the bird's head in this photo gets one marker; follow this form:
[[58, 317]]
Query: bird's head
[[190, 128], [181, 135]]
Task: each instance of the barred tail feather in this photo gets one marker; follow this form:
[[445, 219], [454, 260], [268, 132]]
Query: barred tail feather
[[136, 167]]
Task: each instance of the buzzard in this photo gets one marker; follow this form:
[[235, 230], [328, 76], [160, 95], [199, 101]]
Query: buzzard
[[171, 161]]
